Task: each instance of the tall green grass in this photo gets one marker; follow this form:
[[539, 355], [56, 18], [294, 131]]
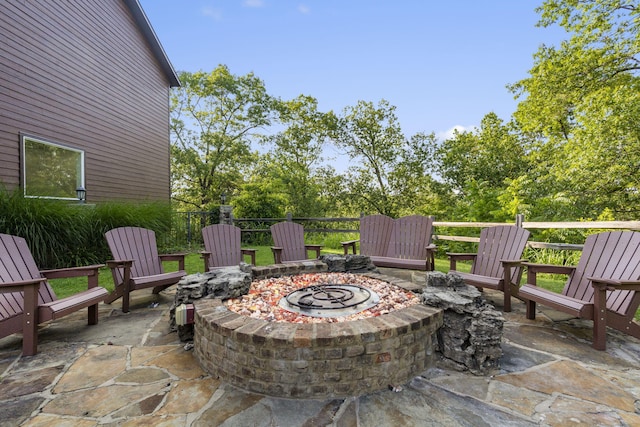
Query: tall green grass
[[63, 234]]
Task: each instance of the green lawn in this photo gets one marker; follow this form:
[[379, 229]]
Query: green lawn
[[195, 264]]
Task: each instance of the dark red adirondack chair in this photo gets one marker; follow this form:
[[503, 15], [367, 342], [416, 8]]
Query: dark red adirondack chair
[[497, 265], [137, 265], [401, 243], [222, 246], [604, 287], [289, 246], [27, 299]]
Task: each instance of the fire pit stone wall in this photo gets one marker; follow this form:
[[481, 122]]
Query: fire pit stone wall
[[315, 360]]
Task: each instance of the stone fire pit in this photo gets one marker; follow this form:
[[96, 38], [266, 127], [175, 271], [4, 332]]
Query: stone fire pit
[[348, 356], [315, 360]]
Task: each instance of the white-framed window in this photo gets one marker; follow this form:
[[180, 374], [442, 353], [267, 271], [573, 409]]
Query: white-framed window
[[50, 170]]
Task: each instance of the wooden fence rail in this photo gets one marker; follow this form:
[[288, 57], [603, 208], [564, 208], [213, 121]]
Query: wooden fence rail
[[607, 225], [351, 225]]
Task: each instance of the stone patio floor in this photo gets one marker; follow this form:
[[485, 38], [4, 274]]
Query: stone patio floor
[[129, 370]]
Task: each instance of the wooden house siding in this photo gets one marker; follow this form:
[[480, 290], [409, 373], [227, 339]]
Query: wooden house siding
[[83, 74]]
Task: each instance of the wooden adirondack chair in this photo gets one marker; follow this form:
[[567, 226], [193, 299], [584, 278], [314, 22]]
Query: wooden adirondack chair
[[401, 243], [27, 299], [604, 287], [289, 246], [222, 246], [497, 265], [137, 265]]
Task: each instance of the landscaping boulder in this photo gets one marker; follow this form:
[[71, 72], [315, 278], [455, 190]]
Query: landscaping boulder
[[471, 336], [348, 263], [223, 283]]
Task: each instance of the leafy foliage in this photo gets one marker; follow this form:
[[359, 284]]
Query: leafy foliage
[[60, 234], [214, 117], [581, 103], [571, 151], [295, 162]]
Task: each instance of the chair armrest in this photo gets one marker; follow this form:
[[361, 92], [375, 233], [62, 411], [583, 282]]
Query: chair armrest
[[21, 285], [612, 284], [460, 256], [534, 269], [120, 263], [125, 265], [512, 262], [174, 257], [277, 254], [349, 244], [206, 256], [549, 268], [251, 253], [90, 271], [431, 257], [454, 257], [314, 248], [29, 309]]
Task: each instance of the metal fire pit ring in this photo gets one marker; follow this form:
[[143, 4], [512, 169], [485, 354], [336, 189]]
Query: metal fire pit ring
[[329, 300]]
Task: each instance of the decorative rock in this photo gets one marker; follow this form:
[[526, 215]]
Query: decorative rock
[[472, 332], [222, 283], [350, 263]]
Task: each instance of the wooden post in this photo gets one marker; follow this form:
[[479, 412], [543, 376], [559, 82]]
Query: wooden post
[[519, 220], [225, 214]]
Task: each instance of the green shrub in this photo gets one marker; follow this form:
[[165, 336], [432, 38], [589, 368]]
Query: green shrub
[[62, 234], [551, 256]]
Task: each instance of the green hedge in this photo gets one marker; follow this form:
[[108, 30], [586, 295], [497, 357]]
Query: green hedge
[[62, 234]]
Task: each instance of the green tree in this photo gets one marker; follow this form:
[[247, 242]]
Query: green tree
[[214, 118], [581, 101], [372, 138], [296, 157], [258, 199], [479, 165], [413, 184]]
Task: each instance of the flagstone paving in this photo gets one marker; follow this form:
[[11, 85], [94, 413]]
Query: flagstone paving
[[130, 370]]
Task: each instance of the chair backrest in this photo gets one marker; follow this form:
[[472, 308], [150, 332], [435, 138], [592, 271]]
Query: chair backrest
[[375, 234], [137, 244], [410, 237], [498, 243], [224, 243], [290, 237], [405, 237], [17, 263], [608, 255]]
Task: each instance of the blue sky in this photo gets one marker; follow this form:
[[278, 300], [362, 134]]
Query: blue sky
[[442, 64]]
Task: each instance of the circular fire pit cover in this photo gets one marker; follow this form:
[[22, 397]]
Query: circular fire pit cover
[[329, 300]]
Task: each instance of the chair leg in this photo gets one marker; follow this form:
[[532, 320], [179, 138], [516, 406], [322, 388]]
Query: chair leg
[[531, 309], [507, 298], [600, 319], [30, 321], [125, 299], [92, 313], [506, 288], [158, 289]]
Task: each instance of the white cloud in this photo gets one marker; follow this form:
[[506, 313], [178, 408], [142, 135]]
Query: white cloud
[[253, 3], [447, 134], [216, 14], [304, 9]]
